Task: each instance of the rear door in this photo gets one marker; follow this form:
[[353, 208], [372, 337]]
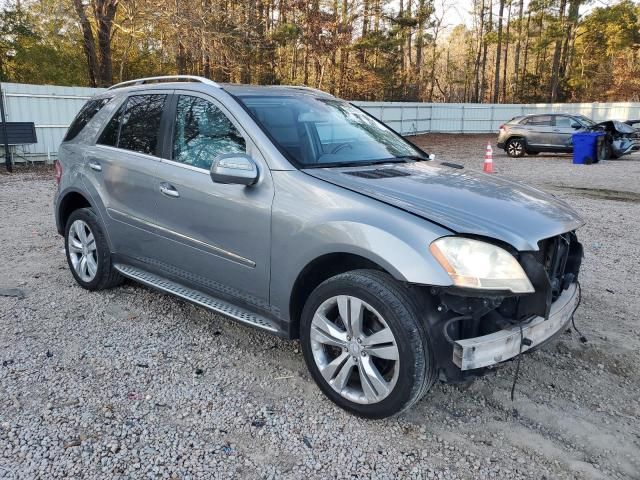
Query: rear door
[[540, 131], [121, 167]]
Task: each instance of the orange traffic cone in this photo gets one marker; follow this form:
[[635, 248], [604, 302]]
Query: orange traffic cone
[[488, 160]]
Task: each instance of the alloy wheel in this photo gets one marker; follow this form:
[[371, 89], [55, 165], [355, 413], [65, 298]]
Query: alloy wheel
[[354, 349], [82, 250], [515, 148]]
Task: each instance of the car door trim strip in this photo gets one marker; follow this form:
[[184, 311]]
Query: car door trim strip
[[234, 257]]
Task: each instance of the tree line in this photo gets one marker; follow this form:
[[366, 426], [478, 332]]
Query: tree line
[[400, 50]]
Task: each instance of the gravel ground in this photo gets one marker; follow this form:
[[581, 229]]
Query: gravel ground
[[131, 383]]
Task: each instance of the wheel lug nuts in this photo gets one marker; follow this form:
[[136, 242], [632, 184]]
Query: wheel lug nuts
[[364, 354], [359, 340], [355, 359], [348, 338]]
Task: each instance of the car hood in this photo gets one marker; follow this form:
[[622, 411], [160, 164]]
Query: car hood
[[462, 201], [619, 127]]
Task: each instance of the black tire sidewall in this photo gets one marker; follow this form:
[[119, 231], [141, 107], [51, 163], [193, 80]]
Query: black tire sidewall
[[415, 360], [103, 254]]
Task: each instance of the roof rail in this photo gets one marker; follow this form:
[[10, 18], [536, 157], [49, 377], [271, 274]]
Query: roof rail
[[177, 78]]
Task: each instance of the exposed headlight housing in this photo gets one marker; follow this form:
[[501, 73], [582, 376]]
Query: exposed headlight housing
[[476, 264]]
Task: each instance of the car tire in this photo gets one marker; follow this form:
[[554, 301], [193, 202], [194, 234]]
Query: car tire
[[387, 345], [88, 253], [515, 147], [606, 152]]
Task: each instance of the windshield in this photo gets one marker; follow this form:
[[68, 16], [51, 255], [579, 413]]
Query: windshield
[[586, 121], [321, 132]]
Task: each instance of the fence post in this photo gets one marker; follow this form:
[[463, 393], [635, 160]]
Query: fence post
[[492, 114], [7, 150], [462, 130]]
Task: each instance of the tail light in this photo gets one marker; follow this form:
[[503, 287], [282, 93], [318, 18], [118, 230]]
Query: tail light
[[502, 127], [58, 171]]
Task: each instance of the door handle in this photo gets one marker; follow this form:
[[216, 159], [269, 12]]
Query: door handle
[[93, 165], [169, 190], [556, 130]]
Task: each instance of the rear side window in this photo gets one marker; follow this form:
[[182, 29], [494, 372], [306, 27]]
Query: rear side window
[[136, 124], [86, 113], [539, 120]]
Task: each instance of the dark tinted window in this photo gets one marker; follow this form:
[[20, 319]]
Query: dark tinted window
[[87, 112], [140, 123], [202, 132], [109, 135]]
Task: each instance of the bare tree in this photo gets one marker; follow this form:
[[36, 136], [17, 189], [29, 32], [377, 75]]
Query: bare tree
[[99, 61], [496, 82]]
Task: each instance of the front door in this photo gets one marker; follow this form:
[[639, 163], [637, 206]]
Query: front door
[[565, 127], [216, 236]]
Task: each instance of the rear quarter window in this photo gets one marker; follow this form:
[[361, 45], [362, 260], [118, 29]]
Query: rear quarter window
[[86, 113]]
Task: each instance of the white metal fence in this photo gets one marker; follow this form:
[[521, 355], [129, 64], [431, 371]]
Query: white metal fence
[[414, 118], [52, 108]]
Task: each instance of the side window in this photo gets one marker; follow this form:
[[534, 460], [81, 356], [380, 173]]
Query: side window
[[575, 123], [109, 135], [87, 112], [542, 120], [202, 132], [140, 123], [563, 122], [135, 125]]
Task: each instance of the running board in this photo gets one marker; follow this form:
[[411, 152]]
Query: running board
[[212, 303]]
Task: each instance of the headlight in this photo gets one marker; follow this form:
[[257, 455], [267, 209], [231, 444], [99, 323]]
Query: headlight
[[475, 264]]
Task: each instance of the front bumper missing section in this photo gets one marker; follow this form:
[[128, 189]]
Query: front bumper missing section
[[499, 346]]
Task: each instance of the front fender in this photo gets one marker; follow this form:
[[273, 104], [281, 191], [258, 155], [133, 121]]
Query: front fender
[[309, 223]]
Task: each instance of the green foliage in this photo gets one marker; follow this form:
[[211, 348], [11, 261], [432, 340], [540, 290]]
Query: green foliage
[[375, 53]]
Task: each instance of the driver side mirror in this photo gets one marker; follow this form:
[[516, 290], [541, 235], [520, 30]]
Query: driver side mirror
[[234, 168]]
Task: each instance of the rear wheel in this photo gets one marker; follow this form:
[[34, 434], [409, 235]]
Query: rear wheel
[[88, 253], [365, 344], [515, 147]]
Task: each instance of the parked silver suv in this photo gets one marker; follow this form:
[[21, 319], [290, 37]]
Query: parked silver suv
[[295, 212]]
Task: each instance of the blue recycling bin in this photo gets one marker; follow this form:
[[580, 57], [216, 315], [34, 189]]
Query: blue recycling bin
[[586, 147]]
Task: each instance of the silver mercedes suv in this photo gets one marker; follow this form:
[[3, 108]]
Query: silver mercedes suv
[[292, 211]]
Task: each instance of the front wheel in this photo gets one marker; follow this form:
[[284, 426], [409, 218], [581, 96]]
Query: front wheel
[[515, 147], [365, 344]]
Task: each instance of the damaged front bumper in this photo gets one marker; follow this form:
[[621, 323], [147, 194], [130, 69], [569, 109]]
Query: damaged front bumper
[[487, 350]]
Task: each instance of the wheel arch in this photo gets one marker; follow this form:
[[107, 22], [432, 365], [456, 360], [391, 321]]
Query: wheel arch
[[70, 201], [317, 271]]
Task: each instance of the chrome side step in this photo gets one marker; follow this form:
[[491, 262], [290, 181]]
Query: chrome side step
[[194, 296]]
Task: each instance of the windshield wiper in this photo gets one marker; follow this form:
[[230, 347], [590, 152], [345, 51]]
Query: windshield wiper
[[358, 163], [418, 158]]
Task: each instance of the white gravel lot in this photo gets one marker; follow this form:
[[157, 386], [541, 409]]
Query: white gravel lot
[[133, 383]]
